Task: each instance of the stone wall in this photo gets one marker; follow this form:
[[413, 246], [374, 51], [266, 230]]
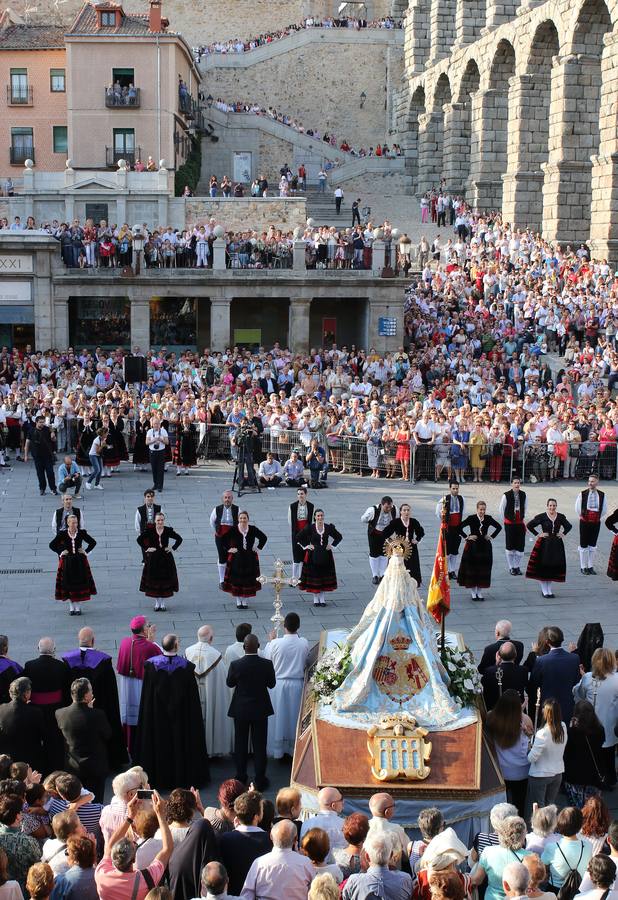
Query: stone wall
[[319, 86], [238, 215]]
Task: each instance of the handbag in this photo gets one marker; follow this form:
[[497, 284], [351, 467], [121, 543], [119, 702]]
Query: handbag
[[602, 778]]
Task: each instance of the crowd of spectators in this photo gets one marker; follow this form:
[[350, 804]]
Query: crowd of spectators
[[237, 45]]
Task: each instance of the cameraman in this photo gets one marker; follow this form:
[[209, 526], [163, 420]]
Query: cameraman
[[243, 440], [317, 465]]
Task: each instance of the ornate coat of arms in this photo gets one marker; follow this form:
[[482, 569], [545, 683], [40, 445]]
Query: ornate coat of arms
[[400, 675], [398, 749]]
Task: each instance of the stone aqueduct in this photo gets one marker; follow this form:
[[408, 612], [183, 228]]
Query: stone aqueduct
[[515, 103]]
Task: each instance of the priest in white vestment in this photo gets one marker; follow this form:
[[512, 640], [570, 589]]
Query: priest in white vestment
[[288, 655], [211, 674]]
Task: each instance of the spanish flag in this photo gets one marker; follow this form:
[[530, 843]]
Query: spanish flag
[[439, 593]]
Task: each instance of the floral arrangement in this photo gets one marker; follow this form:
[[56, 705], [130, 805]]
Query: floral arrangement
[[465, 680], [331, 671]]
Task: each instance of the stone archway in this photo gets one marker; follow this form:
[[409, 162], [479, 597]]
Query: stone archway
[[574, 135], [488, 150], [457, 128], [528, 148], [431, 137]]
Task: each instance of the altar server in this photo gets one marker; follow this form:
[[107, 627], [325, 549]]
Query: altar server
[[288, 655]]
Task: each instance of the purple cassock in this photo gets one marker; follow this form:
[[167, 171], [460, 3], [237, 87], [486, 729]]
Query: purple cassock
[[97, 667], [9, 671], [170, 742]]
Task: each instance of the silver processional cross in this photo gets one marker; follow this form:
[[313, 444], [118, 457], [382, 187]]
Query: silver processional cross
[[278, 581]]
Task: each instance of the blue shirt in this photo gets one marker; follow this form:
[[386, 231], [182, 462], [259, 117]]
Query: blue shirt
[[76, 882], [380, 881], [64, 471]]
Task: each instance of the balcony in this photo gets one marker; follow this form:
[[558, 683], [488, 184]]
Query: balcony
[[186, 105], [19, 155], [16, 95], [128, 100], [112, 156]]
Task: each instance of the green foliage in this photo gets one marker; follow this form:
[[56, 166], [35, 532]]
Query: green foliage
[[190, 171]]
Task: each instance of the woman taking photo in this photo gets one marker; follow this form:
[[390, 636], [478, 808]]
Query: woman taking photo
[[319, 575], [510, 729], [74, 581], [546, 758], [600, 687], [583, 757], [159, 576]]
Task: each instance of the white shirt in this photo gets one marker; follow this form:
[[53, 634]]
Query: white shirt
[[331, 823], [288, 655], [395, 832], [593, 503], [226, 517], [149, 518], [280, 873], [384, 519], [63, 522], [234, 651], [547, 758], [156, 437]]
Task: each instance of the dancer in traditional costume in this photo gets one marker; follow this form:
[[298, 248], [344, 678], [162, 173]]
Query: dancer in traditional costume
[[413, 531], [590, 506], [186, 446], [513, 512], [74, 581], [611, 522], [110, 453], [319, 575], [547, 561], [243, 563], [300, 514], [159, 576], [477, 556], [116, 435], [377, 518], [86, 433], [453, 518], [141, 456], [222, 519]]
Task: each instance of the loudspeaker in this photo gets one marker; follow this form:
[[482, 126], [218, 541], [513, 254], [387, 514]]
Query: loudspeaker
[[134, 369]]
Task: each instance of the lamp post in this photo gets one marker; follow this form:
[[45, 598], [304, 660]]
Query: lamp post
[[138, 246]]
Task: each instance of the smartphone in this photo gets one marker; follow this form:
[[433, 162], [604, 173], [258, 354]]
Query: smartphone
[[143, 794]]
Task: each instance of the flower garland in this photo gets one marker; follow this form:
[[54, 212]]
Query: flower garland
[[465, 680], [331, 671]]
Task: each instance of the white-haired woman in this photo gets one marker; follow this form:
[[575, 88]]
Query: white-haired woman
[[125, 786], [493, 861], [543, 822]]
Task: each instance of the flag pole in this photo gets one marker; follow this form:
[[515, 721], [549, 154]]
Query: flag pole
[[443, 622]]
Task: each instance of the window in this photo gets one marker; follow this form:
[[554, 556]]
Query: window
[[60, 139], [19, 85], [123, 77], [57, 81], [124, 140], [108, 18], [100, 320], [22, 145]]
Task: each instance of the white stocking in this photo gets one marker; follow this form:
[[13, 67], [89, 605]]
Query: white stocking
[[71, 606], [297, 569], [452, 563], [77, 607], [592, 551], [517, 557], [583, 557], [474, 593], [221, 570], [374, 564], [509, 559], [546, 587]]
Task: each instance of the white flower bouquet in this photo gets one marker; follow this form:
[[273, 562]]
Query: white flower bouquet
[[465, 680], [331, 671]]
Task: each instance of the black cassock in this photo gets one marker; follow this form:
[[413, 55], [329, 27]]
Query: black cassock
[[98, 668], [9, 671], [413, 530], [548, 560], [477, 557], [170, 743]]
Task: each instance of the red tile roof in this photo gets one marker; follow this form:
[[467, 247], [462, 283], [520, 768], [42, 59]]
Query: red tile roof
[[133, 24], [32, 37]]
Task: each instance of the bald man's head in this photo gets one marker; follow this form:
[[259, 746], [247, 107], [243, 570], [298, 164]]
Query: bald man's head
[[205, 634], [381, 805], [47, 645], [86, 637], [507, 652], [330, 798], [283, 834]]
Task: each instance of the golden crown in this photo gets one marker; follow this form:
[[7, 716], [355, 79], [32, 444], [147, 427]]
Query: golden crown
[[400, 642]]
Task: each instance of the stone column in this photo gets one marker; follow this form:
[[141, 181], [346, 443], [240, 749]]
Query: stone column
[[378, 257], [522, 183], [218, 250], [456, 142], [140, 322], [298, 324], [469, 20], [42, 297], [388, 305], [298, 256], [441, 28], [69, 208], [573, 117], [61, 323], [499, 11], [220, 332], [416, 41], [489, 114], [430, 130], [121, 210], [603, 220]]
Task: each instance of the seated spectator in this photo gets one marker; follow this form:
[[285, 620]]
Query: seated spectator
[[571, 851], [270, 473], [355, 830], [22, 851], [115, 875], [316, 845], [294, 471], [78, 881]]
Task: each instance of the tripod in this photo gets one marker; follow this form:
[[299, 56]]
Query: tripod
[[244, 461]]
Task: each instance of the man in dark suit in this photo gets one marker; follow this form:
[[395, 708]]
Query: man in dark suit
[[503, 633], [21, 726], [556, 673], [251, 677], [240, 847], [514, 676], [49, 677], [86, 733]]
